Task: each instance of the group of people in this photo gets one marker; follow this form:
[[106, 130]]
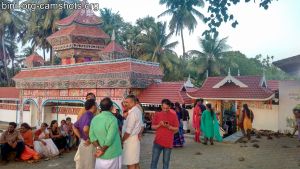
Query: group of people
[[46, 142], [106, 145], [107, 140], [205, 120]]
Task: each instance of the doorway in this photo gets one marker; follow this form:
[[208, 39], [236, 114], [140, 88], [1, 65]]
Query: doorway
[[229, 117]]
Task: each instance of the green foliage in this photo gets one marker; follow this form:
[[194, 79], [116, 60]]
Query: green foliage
[[112, 21], [218, 13], [156, 48], [253, 66], [210, 58]]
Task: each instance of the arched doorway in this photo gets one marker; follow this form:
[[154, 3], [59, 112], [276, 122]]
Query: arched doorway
[[31, 117], [53, 109]]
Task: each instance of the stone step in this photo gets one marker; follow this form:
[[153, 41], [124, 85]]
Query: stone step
[[233, 138]]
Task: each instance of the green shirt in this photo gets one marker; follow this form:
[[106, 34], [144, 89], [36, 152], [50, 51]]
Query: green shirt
[[104, 129]]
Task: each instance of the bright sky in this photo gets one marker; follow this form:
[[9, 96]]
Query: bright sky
[[275, 31]]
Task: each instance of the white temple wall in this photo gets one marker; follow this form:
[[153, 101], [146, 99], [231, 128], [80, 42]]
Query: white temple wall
[[289, 97], [266, 119], [10, 116]]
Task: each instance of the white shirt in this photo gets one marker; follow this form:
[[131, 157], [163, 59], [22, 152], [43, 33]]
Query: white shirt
[[134, 122]]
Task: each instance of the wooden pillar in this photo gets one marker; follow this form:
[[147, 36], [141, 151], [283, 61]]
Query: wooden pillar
[[219, 108]]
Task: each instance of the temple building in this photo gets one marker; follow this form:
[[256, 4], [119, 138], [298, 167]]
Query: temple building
[[34, 60], [79, 38], [271, 101], [90, 63]]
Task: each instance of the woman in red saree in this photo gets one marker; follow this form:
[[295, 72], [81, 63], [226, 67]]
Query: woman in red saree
[[196, 122]]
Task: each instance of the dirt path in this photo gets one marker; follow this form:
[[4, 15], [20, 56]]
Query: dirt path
[[282, 153]]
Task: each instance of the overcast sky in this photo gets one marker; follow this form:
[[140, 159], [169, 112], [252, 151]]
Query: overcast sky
[[275, 31]]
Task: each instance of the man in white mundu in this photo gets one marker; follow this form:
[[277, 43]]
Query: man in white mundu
[[132, 130]]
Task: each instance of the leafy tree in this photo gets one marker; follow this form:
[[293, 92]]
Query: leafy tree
[[10, 28], [42, 23], [183, 15], [112, 21], [253, 66], [156, 45], [218, 12], [209, 59]]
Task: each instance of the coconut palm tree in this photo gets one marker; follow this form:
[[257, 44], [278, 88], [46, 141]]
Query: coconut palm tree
[[42, 23], [183, 15], [112, 21], [156, 47], [210, 58], [12, 21]]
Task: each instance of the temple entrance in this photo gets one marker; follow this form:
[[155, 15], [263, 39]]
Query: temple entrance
[[33, 117], [229, 117], [61, 109]]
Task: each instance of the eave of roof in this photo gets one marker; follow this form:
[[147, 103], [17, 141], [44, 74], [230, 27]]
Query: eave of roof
[[254, 91], [97, 67]]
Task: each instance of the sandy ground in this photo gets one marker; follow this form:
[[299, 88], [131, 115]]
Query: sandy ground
[[278, 153]]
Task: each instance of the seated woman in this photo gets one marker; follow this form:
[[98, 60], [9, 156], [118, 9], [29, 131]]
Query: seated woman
[[57, 137], [27, 135], [43, 144]]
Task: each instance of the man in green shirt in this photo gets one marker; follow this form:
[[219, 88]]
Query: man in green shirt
[[104, 135]]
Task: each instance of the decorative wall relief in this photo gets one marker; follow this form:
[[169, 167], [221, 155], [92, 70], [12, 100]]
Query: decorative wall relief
[[100, 83], [104, 92], [63, 92], [112, 83], [86, 91]]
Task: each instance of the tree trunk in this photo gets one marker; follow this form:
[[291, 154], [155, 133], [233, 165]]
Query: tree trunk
[[44, 54], [4, 60], [183, 47], [13, 66]]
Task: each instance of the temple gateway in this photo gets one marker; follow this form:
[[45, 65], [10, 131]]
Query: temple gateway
[[89, 64]]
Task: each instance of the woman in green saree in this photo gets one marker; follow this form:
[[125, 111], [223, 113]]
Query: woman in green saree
[[210, 126]]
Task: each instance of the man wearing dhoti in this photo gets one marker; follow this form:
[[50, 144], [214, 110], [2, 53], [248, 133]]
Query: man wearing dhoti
[[104, 135], [84, 156], [132, 130]]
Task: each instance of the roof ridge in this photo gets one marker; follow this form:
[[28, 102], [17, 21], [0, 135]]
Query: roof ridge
[[131, 60]]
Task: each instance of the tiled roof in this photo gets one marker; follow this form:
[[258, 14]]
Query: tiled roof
[[82, 16], [9, 92], [125, 65], [114, 47], [231, 91], [34, 58], [164, 90], [273, 84], [78, 30]]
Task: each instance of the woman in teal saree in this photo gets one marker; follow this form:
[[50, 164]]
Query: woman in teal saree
[[210, 126]]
